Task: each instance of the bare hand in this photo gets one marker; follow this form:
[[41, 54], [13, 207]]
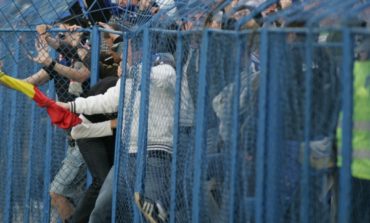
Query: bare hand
[[108, 27], [63, 105], [41, 29], [73, 28], [144, 4], [43, 56]]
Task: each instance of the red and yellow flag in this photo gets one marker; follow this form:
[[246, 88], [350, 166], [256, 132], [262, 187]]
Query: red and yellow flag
[[59, 116]]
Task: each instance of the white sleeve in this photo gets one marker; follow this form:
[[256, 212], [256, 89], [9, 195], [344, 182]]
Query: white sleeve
[[91, 130], [98, 104]]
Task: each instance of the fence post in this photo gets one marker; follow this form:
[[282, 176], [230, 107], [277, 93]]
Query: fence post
[[95, 49], [27, 203], [201, 126], [179, 76], [235, 130], [11, 143], [345, 186], [143, 118], [118, 139], [47, 161], [274, 137], [305, 179], [261, 126]]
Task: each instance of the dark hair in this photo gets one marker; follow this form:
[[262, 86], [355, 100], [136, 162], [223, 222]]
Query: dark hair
[[296, 24], [230, 23]]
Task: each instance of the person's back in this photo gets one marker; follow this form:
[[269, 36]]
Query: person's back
[[324, 94], [324, 90]]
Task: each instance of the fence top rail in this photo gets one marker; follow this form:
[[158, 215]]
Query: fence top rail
[[186, 32]]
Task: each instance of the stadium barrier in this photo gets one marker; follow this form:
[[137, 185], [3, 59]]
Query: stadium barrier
[[254, 142]]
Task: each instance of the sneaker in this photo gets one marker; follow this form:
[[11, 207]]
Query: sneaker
[[152, 211]]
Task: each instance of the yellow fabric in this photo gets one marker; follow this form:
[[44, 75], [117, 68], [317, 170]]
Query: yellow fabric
[[361, 113], [19, 85]]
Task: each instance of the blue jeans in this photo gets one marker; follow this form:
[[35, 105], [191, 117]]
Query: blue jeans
[[103, 205], [156, 187], [98, 154]]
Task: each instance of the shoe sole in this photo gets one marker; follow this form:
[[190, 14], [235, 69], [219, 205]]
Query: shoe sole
[[137, 201]]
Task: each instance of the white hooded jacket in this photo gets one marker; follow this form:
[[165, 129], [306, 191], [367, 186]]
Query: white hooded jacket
[[160, 113]]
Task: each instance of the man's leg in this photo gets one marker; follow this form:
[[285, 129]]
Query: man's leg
[[98, 160], [360, 200], [154, 202], [68, 184], [103, 205]]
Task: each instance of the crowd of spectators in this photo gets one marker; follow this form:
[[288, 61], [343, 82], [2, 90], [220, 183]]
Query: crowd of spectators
[[92, 143]]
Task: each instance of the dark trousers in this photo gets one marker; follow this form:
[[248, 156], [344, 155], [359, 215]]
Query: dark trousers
[[98, 154], [360, 200]]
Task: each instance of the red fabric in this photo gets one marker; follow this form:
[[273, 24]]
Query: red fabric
[[59, 116]]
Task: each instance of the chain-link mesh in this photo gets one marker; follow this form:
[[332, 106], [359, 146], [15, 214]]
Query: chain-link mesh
[[218, 124], [24, 123]]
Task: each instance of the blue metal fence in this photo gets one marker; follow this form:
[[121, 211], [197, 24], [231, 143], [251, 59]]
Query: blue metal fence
[[247, 154]]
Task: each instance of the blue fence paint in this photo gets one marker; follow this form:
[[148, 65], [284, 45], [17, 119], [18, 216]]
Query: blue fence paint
[[143, 118], [274, 136], [47, 163], [200, 130], [262, 121], [235, 131], [305, 179], [118, 152], [30, 164], [95, 46], [176, 126], [8, 210], [345, 171], [269, 141]]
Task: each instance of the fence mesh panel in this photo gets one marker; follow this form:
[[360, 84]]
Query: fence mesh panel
[[218, 124]]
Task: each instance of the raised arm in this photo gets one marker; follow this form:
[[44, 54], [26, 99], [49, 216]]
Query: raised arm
[[42, 30], [98, 104], [78, 73], [38, 78]]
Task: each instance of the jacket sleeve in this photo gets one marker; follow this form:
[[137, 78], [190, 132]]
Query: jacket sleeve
[[98, 104], [91, 130]]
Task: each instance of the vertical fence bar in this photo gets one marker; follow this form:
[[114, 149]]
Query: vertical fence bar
[[47, 161], [118, 140], [143, 118], [200, 130], [27, 202], [274, 137], [261, 126], [347, 108], [94, 70], [235, 131], [95, 49], [305, 179], [179, 57], [11, 143]]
